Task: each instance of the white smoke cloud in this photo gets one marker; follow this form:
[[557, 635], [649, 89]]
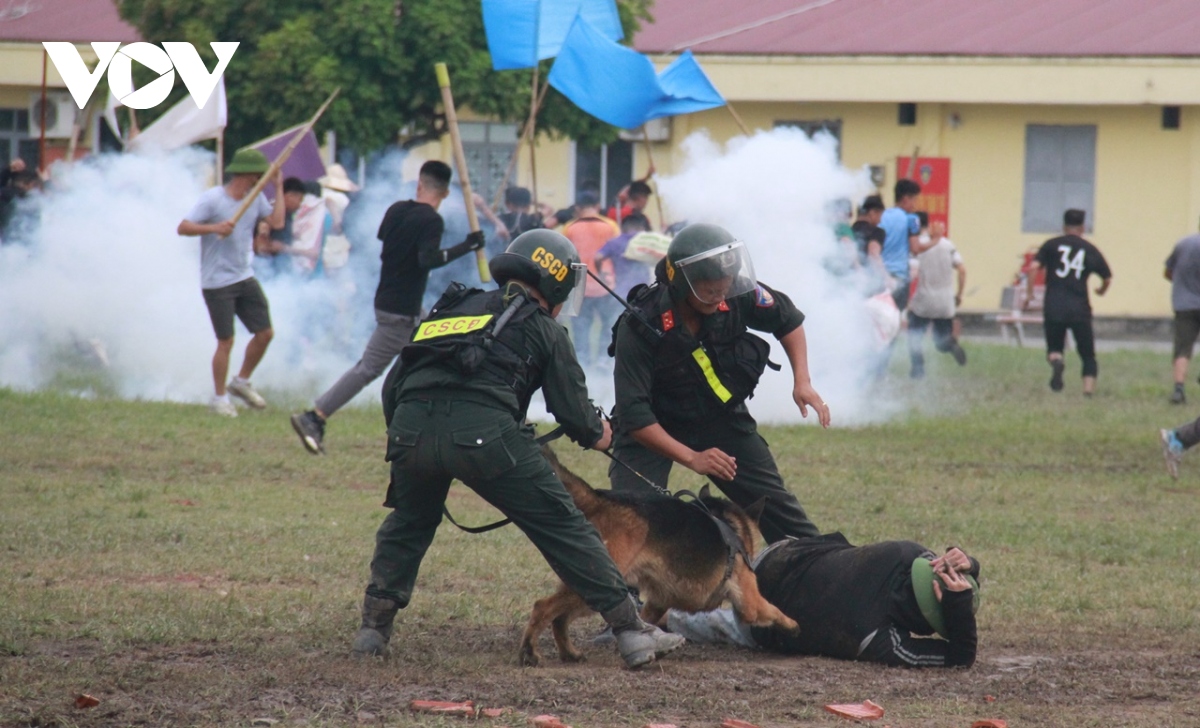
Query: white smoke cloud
[[774, 190], [103, 284]]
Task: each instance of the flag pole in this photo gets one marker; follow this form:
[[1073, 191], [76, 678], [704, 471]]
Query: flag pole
[[221, 156], [533, 134], [530, 125], [650, 158], [460, 157], [277, 165], [741, 124]]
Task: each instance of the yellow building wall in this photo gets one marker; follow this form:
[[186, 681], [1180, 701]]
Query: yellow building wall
[[1145, 178]]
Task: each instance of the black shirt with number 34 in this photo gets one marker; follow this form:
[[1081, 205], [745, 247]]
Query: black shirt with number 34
[[1068, 261]]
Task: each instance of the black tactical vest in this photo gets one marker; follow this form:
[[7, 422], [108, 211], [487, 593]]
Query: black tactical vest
[[477, 334], [696, 378]]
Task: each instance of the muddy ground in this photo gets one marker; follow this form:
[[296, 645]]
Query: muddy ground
[[1035, 680]]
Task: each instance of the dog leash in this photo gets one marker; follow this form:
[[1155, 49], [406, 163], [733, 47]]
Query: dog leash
[[550, 436]]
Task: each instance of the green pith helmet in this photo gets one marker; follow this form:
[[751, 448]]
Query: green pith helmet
[[248, 161], [931, 608], [546, 261], [703, 254]]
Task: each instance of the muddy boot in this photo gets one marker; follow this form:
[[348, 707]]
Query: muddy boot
[[372, 638], [639, 643]]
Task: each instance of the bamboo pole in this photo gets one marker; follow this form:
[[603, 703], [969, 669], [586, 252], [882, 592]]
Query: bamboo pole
[[280, 160], [460, 158], [530, 127], [650, 158], [532, 124], [741, 124]]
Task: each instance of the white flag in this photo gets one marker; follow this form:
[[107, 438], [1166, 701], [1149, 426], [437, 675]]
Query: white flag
[[184, 124]]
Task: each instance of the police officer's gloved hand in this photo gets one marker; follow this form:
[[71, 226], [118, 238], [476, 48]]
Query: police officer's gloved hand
[[475, 240]]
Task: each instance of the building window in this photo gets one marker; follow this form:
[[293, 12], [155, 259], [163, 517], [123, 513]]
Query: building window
[[15, 140], [906, 114], [832, 127], [488, 148], [1060, 174], [605, 169], [1170, 117]]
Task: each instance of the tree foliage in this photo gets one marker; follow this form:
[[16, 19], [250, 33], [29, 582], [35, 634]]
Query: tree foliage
[[381, 53]]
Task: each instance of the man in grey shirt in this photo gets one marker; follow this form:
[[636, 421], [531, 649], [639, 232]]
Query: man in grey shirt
[[1183, 270], [226, 275]]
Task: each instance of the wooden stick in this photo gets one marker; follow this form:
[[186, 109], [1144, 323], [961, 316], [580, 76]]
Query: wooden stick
[[533, 137], [529, 128], [650, 158], [741, 124], [912, 164], [460, 159], [277, 165]]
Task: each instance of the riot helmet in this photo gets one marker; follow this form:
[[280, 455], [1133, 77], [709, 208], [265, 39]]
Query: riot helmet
[[710, 263], [547, 261]]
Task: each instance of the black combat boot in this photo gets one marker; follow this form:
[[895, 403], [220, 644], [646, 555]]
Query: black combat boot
[[639, 643], [377, 616]]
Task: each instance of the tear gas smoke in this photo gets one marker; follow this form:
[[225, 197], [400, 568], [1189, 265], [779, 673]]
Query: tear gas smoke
[[102, 282], [775, 191]]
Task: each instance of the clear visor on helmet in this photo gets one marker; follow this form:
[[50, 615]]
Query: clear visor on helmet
[[574, 301], [719, 274]]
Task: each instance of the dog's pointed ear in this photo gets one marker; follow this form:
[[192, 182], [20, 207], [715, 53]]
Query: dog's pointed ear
[[705, 491], [755, 509]]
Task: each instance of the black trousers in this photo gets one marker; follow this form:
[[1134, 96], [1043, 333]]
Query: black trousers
[[1085, 342], [757, 477], [431, 443]]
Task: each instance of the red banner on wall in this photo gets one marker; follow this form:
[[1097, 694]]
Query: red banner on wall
[[933, 174]]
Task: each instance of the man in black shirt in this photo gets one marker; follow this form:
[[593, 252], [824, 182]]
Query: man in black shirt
[[518, 216], [1068, 261], [857, 603], [411, 232]]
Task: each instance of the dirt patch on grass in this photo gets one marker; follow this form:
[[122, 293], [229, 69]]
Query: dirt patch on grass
[[1109, 684]]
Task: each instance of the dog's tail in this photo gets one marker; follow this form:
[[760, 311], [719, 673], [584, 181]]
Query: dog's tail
[[582, 493]]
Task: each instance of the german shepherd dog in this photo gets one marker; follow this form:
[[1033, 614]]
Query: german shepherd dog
[[671, 550]]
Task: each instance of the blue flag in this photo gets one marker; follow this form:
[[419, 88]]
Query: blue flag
[[522, 32], [618, 85]]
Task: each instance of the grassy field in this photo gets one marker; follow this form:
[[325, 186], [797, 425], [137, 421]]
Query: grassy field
[[191, 570]]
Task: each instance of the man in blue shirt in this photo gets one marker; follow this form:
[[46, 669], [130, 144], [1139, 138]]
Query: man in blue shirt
[[902, 229]]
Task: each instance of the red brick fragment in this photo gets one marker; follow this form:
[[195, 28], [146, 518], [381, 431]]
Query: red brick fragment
[[990, 723], [865, 710], [735, 723], [85, 701]]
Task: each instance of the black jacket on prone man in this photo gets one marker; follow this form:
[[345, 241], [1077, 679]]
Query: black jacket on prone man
[[685, 366], [456, 408], [875, 603]]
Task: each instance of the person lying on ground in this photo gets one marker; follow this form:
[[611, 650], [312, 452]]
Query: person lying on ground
[[876, 603]]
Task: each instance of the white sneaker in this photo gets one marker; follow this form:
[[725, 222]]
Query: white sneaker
[[246, 393], [223, 407]]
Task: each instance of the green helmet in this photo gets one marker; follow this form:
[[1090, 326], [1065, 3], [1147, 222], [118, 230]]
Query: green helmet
[[546, 261], [709, 262]]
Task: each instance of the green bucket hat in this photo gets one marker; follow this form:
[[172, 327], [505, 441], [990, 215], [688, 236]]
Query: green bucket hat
[[248, 161], [931, 608]]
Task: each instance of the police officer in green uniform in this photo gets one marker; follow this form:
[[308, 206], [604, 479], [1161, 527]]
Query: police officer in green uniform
[[459, 405], [685, 365]]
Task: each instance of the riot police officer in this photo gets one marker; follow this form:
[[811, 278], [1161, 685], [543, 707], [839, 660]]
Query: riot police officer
[[459, 401], [685, 365]]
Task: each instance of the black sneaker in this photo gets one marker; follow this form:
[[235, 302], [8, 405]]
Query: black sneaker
[[1178, 397], [960, 356], [1056, 382], [311, 428]]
